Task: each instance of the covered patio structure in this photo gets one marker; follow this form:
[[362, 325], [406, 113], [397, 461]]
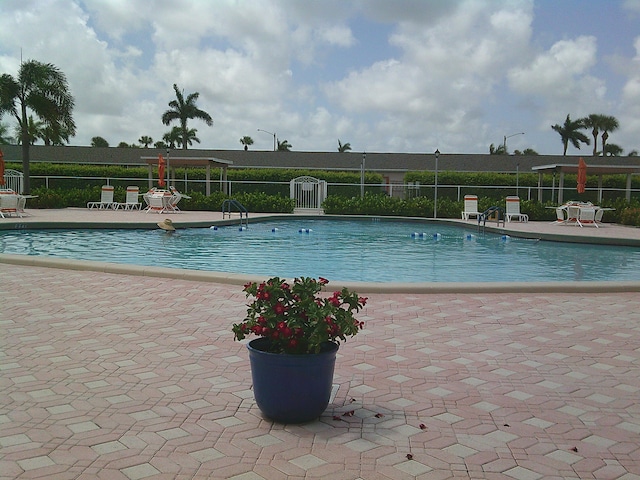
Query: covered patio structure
[[599, 170], [207, 162]]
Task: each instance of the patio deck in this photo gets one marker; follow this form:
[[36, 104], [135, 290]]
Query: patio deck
[[121, 376]]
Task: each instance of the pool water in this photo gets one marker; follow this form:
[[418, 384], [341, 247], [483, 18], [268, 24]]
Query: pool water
[[347, 250]]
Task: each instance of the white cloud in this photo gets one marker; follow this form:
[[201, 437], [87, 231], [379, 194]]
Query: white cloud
[[444, 76], [405, 75]]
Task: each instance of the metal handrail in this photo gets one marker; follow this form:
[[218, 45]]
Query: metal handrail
[[226, 211]]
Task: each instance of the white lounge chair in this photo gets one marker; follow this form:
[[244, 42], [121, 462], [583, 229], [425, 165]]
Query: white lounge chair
[[9, 204], [106, 199], [587, 216], [513, 210], [470, 207], [132, 201]]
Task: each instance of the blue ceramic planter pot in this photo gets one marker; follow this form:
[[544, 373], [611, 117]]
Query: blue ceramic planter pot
[[291, 388]]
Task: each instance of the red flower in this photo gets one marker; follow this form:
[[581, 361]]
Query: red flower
[[296, 317]]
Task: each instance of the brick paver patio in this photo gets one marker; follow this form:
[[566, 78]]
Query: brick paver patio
[[123, 377]]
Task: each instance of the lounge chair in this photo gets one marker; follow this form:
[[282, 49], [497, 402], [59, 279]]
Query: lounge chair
[[9, 204], [587, 216], [106, 199], [513, 210], [131, 201], [470, 207]]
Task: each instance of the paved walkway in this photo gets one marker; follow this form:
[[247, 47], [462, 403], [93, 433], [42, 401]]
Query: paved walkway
[[125, 377]]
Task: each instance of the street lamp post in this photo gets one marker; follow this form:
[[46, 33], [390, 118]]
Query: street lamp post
[[435, 184], [504, 143], [274, 137]]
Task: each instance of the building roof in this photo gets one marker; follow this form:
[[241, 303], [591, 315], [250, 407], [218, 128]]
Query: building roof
[[396, 163]]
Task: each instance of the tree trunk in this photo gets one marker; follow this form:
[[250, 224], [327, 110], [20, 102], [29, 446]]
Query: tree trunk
[[26, 181]]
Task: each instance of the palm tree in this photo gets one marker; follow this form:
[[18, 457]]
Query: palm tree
[[499, 150], [182, 110], [145, 141], [42, 89], [51, 136], [594, 122], [570, 132], [99, 142], [172, 138], [284, 146], [190, 138], [608, 124], [613, 150], [34, 131], [343, 148], [246, 141]]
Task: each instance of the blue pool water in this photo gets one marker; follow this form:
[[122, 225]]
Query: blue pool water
[[347, 250]]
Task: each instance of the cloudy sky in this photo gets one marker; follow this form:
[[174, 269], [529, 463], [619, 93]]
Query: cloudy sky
[[382, 75]]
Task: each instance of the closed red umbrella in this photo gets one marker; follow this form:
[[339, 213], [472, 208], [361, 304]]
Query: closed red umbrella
[[582, 175], [1, 168], [161, 166]]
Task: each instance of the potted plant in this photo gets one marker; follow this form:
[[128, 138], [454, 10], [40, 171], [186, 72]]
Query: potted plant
[[299, 332]]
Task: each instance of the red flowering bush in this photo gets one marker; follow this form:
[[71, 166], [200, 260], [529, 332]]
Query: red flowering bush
[[295, 318]]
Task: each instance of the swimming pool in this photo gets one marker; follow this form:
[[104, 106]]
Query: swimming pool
[[347, 250]]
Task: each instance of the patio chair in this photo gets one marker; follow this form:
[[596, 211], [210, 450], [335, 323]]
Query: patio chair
[[598, 217], [513, 210], [587, 216], [106, 199], [561, 215], [176, 196], [131, 201], [470, 207], [158, 202]]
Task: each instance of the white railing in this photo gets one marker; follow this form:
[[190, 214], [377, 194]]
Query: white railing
[[401, 190]]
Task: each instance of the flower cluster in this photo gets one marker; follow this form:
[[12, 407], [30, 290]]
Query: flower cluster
[[295, 318]]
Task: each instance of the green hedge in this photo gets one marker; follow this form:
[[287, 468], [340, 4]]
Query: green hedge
[[384, 205], [68, 189], [509, 181]]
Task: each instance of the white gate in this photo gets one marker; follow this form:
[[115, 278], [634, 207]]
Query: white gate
[[309, 193], [13, 180]]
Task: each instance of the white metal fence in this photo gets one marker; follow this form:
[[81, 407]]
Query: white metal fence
[[308, 192], [400, 190]]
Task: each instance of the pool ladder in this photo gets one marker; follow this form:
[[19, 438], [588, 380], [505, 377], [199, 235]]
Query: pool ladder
[[492, 213], [227, 207]]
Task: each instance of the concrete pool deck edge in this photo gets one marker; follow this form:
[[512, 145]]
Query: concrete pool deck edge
[[361, 287]]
